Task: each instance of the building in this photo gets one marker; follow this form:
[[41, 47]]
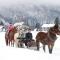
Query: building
[[45, 27]]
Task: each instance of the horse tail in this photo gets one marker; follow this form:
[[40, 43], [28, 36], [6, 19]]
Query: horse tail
[[6, 38]]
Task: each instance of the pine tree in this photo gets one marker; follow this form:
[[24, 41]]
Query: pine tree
[[1, 23], [56, 21]]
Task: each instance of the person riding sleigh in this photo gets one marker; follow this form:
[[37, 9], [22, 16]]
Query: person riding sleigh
[[10, 28]]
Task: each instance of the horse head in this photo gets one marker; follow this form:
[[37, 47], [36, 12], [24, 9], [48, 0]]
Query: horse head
[[15, 29], [53, 31]]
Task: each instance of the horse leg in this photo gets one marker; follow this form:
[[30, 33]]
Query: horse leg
[[44, 48], [37, 44], [6, 42], [9, 42], [52, 45], [50, 48], [18, 44], [12, 43], [21, 44]]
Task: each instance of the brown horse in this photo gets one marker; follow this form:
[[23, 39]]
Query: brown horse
[[9, 37], [48, 38]]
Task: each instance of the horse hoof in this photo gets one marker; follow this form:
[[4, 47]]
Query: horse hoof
[[50, 51], [37, 49], [27, 46]]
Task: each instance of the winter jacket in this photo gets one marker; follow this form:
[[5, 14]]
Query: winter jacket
[[29, 36]]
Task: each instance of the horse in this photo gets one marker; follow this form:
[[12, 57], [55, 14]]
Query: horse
[[47, 38], [9, 36], [18, 36]]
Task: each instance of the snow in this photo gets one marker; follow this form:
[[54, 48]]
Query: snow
[[1, 27], [47, 25], [13, 53]]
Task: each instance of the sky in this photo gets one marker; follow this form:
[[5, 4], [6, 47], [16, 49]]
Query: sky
[[14, 2]]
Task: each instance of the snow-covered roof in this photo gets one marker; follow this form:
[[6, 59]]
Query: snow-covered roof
[[19, 23], [47, 25]]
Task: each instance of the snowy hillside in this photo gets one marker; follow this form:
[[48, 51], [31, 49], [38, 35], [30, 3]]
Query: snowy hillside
[[30, 13], [13, 53]]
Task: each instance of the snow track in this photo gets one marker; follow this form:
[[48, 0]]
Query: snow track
[[13, 53]]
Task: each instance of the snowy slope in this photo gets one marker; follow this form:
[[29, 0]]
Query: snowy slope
[[13, 53]]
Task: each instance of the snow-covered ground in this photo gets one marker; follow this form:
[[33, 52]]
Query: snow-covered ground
[[13, 53]]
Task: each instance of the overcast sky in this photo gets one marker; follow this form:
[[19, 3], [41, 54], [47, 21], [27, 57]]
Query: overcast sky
[[12, 2]]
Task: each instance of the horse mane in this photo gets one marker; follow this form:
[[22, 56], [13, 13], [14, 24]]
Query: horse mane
[[56, 26], [51, 33]]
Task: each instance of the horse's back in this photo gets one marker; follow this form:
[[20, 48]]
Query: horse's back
[[41, 35]]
